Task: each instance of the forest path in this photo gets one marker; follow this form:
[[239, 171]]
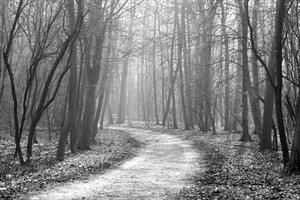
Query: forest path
[[163, 165]]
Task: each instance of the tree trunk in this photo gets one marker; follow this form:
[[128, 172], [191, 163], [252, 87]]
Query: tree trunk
[[171, 95], [104, 76], [187, 64], [237, 92], [123, 92], [266, 136], [70, 122], [154, 66], [293, 165], [245, 135], [92, 75], [207, 51], [255, 73], [179, 63], [6, 56], [2, 42], [279, 22], [226, 44]]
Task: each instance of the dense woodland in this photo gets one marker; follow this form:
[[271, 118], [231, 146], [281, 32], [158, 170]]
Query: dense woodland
[[71, 67]]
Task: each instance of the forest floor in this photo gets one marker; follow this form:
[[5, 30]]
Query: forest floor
[[206, 166], [163, 166], [17, 182], [235, 169]]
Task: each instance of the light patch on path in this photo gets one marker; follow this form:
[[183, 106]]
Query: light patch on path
[[161, 168]]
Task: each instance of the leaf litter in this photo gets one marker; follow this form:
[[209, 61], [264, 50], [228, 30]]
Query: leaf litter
[[235, 169], [44, 171]]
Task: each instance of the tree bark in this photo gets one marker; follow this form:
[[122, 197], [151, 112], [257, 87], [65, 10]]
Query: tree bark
[[70, 122], [180, 36], [92, 74], [171, 95], [279, 23], [245, 135], [105, 73], [293, 165], [123, 91], [255, 73], [226, 89], [207, 52], [154, 66]]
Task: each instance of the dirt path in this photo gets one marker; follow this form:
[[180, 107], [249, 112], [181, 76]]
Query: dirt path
[[163, 166]]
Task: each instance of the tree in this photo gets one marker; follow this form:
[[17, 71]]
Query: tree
[[255, 73], [105, 72], [207, 59], [41, 49], [181, 39], [245, 135], [154, 66], [69, 125], [123, 91], [227, 85], [281, 8], [172, 78], [293, 165]]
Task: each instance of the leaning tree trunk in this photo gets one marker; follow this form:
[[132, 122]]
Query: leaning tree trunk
[[6, 56]]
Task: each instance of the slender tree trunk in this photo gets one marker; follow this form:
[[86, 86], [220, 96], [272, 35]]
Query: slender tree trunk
[[162, 68], [6, 57], [187, 65], [70, 122], [237, 93], [2, 42], [226, 44], [180, 52], [123, 92], [245, 135], [81, 85], [255, 73], [104, 77], [266, 136], [279, 22], [154, 66], [293, 165], [207, 51], [171, 94]]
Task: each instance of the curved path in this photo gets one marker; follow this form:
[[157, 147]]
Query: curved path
[[163, 166]]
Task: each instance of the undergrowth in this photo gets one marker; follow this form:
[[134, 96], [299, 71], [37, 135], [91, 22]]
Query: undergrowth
[[16, 181], [235, 169]]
